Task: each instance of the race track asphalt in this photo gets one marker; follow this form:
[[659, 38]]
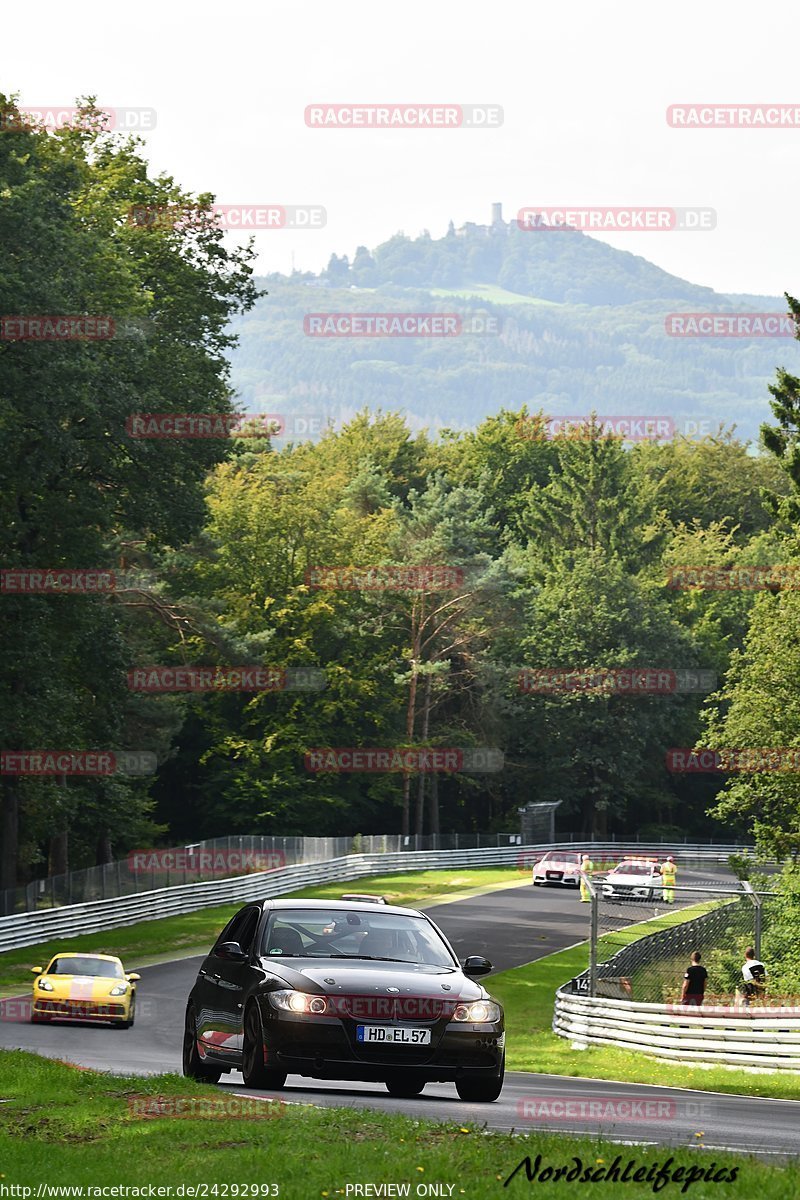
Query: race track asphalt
[[511, 927]]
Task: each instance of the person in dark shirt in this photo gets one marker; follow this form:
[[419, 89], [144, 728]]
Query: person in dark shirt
[[694, 982]]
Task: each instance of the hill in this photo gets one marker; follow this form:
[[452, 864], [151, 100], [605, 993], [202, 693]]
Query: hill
[[579, 325]]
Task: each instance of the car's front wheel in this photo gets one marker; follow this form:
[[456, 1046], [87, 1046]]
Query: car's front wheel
[[128, 1022], [483, 1091], [404, 1088], [193, 1065], [255, 1071]]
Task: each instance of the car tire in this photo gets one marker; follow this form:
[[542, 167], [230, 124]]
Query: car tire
[[193, 1066], [404, 1088], [254, 1069], [131, 1016], [483, 1091]]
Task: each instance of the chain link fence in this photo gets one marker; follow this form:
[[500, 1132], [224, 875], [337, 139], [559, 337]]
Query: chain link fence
[[216, 858], [644, 930]]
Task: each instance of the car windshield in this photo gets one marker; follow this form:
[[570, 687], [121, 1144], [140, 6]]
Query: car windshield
[[336, 933], [562, 858], [78, 965], [634, 869]]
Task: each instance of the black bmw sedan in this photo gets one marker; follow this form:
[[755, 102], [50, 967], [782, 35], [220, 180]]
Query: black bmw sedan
[[341, 990]]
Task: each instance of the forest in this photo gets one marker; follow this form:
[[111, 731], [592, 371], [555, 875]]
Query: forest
[[550, 618]]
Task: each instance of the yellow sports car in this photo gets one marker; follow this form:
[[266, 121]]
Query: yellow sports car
[[84, 987]]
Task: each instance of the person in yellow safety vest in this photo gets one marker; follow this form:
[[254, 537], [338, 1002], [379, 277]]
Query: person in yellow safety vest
[[668, 874], [587, 866]]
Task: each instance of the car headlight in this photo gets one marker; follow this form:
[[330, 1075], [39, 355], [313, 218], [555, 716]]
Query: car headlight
[[119, 989], [298, 1002], [45, 985], [480, 1010]]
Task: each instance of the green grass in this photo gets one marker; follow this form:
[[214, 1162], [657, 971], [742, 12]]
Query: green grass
[[492, 294], [172, 936], [68, 1127], [527, 995]]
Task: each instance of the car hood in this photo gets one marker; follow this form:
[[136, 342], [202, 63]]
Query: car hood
[[624, 877], [351, 977], [555, 864]]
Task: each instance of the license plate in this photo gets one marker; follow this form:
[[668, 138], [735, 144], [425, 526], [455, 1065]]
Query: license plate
[[554, 874], [393, 1034]]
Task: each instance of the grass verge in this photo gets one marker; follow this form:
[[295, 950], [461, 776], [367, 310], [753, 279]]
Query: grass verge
[[63, 1127], [173, 936], [527, 995]]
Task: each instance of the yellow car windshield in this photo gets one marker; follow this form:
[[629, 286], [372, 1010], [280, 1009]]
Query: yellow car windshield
[[79, 965]]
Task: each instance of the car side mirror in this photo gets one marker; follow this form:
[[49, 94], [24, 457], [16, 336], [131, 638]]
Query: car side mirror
[[132, 978], [476, 964], [231, 951], [36, 970]]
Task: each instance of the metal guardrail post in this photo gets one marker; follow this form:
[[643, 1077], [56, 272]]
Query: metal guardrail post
[[756, 902], [593, 928]]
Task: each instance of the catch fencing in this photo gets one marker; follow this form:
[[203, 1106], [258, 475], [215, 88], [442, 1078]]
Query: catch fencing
[[27, 929], [630, 996]]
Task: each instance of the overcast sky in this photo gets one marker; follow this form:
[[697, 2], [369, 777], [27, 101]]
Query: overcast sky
[[584, 88]]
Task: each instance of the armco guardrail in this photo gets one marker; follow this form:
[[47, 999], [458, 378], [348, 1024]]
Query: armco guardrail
[[737, 1037], [146, 870], [26, 929]]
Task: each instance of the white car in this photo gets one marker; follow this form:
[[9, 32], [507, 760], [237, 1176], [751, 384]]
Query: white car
[[558, 867], [633, 879]]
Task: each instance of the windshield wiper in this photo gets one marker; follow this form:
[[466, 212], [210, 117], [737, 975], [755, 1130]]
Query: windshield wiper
[[379, 958]]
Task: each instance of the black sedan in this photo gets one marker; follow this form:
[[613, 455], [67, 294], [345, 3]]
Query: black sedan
[[338, 990]]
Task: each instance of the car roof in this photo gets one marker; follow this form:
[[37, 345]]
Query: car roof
[[344, 905]]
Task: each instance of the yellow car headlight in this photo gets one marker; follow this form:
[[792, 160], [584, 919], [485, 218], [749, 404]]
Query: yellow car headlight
[[45, 985], [119, 989]]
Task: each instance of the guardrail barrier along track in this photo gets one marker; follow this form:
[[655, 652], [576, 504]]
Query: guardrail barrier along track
[[29, 928]]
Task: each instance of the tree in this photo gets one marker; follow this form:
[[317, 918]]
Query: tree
[[592, 501], [70, 476], [599, 751]]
